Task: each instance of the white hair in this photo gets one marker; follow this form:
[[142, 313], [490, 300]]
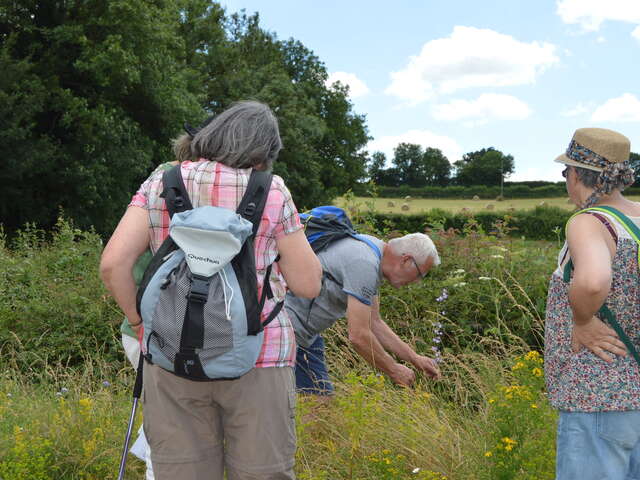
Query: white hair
[[418, 245]]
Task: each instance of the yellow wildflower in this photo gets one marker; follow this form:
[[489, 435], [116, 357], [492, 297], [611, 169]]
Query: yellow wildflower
[[532, 355], [517, 366], [488, 454], [537, 372], [533, 405]]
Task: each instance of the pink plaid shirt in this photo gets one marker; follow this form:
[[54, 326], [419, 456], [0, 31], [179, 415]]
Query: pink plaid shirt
[[212, 183]]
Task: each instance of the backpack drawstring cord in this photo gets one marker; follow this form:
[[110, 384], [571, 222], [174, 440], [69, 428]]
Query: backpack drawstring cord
[[227, 303]]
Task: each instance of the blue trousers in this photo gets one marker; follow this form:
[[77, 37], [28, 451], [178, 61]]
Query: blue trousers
[[311, 370], [598, 446]]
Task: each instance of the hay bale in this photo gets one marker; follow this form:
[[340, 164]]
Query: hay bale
[[405, 207], [489, 206], [476, 197], [391, 204], [407, 198], [543, 204], [499, 198]]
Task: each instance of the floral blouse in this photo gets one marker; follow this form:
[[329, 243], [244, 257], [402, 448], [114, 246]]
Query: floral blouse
[[582, 381]]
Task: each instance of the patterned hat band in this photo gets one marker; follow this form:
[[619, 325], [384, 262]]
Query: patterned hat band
[[582, 154]]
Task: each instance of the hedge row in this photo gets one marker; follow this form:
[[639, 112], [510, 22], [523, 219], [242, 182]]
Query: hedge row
[[482, 191], [541, 223]]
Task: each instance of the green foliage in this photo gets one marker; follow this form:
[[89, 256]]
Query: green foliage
[[73, 432], [537, 224], [523, 440], [94, 92], [58, 422], [484, 167], [53, 307], [413, 167], [510, 191]]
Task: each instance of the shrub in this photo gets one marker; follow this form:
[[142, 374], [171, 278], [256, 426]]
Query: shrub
[[53, 307], [541, 223]]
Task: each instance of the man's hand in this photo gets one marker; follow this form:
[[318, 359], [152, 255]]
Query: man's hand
[[598, 338], [402, 375], [426, 365]]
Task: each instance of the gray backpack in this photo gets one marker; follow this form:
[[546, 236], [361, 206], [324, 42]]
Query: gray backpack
[[198, 299]]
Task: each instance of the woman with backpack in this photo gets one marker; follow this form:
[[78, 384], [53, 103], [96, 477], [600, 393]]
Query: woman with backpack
[[592, 328], [199, 429]]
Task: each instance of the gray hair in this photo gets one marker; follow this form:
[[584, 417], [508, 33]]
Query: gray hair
[[418, 245], [244, 135], [617, 177]]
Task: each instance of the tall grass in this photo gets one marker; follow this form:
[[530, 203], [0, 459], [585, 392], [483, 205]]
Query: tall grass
[[64, 403]]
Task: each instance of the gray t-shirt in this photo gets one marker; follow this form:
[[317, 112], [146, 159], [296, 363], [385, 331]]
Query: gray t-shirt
[[351, 268]]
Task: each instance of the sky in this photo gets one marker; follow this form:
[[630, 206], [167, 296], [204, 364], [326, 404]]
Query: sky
[[461, 75]]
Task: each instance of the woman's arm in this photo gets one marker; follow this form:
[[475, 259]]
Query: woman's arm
[[299, 265], [592, 250], [128, 242]]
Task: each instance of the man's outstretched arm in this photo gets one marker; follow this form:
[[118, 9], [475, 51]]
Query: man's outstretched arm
[[394, 344], [367, 345]]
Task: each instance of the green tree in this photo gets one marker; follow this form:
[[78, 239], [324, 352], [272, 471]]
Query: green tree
[[91, 93], [376, 167], [388, 177], [94, 90], [437, 168], [323, 138], [483, 167], [408, 159]]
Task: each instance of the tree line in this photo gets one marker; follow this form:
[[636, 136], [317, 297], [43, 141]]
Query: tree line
[[416, 167], [93, 91]]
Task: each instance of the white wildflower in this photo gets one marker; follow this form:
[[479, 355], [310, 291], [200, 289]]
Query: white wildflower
[[460, 284], [497, 256], [458, 271], [415, 470], [484, 279]]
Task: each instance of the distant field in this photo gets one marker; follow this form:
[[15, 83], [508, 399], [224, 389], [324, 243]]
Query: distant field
[[417, 205]]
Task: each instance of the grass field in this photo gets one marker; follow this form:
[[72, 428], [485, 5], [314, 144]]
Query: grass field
[[416, 205]]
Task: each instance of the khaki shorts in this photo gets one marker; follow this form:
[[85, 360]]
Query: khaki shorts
[[196, 430]]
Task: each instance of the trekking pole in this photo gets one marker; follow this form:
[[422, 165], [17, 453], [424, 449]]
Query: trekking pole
[[137, 390]]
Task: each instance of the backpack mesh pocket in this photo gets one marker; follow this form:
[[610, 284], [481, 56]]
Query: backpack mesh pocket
[[171, 310]]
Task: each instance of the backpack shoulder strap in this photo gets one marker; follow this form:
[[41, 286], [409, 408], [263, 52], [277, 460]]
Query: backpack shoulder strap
[[625, 221], [255, 197], [373, 246], [174, 192]]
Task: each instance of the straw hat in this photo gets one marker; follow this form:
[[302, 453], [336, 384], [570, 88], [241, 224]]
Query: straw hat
[[596, 149]]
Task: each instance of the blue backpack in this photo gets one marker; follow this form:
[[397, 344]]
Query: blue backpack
[[326, 224]]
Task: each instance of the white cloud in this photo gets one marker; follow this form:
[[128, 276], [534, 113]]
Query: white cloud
[[451, 149], [579, 109], [636, 33], [470, 57], [551, 173], [357, 88], [601, 39], [625, 108], [486, 107], [590, 14]]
